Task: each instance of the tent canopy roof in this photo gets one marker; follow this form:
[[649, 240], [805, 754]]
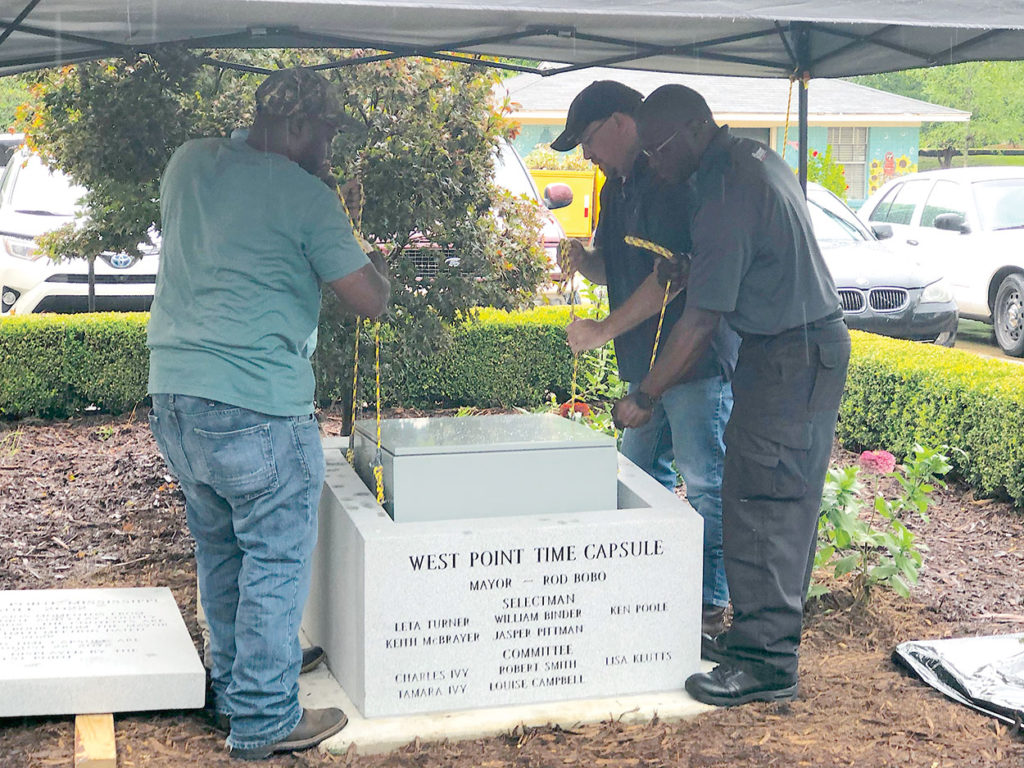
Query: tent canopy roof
[[826, 38]]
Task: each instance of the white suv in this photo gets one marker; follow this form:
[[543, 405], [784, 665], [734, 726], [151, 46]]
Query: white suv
[[33, 200]]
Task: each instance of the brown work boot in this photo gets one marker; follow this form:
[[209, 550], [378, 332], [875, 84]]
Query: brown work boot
[[712, 619], [315, 726]]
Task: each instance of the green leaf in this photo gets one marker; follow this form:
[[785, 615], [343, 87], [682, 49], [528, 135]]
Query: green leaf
[[846, 564]]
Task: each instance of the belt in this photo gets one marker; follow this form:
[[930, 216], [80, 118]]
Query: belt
[[820, 323], [814, 325]]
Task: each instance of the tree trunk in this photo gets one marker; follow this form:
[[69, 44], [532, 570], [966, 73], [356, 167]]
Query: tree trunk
[[946, 158], [92, 284]]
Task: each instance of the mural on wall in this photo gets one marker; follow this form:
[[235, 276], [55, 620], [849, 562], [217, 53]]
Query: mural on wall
[[888, 168]]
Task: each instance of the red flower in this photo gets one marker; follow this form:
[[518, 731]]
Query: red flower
[[814, 153], [581, 408], [881, 462]]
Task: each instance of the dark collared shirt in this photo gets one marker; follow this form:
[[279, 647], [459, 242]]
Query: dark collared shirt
[[755, 258], [643, 206]]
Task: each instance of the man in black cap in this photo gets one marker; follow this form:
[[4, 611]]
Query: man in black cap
[[252, 227], [689, 419], [756, 263]]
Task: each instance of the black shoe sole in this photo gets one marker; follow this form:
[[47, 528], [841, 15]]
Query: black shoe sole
[[313, 661], [772, 694]]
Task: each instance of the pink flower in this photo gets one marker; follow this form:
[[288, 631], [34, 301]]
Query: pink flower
[[881, 462]]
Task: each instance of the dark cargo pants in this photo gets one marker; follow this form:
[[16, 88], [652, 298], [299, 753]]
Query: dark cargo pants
[[778, 442]]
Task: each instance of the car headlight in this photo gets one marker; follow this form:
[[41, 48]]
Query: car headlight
[[20, 248], [936, 293]]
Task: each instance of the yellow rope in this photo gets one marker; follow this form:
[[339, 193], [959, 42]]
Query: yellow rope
[[350, 453], [789, 104], [665, 253], [378, 465], [355, 224], [648, 245], [661, 319], [564, 248]]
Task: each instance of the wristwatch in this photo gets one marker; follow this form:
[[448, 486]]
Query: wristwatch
[[644, 400]]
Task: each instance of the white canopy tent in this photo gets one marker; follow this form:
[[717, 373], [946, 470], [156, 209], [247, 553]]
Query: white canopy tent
[[806, 38]]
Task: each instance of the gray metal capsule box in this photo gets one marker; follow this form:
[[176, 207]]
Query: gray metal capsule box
[[487, 466]]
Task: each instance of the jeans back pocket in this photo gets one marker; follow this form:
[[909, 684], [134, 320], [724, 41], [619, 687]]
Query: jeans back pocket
[[240, 462]]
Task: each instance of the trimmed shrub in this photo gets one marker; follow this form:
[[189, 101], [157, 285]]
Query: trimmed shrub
[[52, 366], [899, 393]]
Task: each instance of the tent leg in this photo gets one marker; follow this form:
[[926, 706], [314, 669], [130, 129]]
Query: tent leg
[[803, 134]]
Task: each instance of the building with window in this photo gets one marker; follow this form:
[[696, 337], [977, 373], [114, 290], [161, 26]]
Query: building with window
[[872, 133]]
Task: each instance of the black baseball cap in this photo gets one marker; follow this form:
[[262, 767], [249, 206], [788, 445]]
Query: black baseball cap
[[600, 99]]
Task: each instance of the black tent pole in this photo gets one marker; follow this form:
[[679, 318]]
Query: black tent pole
[[802, 85], [802, 47]]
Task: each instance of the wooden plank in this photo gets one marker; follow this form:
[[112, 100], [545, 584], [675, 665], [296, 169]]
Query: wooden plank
[[94, 741]]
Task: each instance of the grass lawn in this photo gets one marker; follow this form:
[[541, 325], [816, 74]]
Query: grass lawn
[[932, 163]]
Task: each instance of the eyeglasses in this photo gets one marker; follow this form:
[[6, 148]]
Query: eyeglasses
[[587, 137], [649, 153]]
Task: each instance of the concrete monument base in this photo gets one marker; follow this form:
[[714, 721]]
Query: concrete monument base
[[447, 615]]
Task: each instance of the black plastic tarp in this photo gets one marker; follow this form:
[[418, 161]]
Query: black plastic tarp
[[984, 673]]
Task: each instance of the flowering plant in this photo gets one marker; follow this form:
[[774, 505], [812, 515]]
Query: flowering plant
[[568, 410], [881, 462], [827, 172], [850, 542]]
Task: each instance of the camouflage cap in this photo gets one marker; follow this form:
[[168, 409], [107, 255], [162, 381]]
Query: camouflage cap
[[298, 91]]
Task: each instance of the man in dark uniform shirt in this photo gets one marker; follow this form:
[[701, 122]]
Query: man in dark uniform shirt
[[755, 263], [689, 420]]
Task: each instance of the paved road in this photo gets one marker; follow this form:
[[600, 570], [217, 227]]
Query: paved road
[[977, 337]]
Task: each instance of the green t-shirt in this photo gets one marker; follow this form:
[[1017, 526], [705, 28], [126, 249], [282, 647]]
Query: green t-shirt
[[248, 237]]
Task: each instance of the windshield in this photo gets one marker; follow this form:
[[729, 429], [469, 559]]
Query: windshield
[[511, 174], [1000, 203], [39, 190], [830, 229]]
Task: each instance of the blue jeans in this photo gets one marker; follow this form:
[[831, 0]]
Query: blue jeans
[[688, 423], [252, 485]]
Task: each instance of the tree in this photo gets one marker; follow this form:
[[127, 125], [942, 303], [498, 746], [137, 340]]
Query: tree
[[991, 91], [13, 93], [424, 158]]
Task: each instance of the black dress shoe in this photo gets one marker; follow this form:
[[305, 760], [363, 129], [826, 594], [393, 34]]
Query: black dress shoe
[[712, 648], [727, 686], [312, 658]]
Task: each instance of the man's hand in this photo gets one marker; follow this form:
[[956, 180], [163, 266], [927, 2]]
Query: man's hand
[[676, 269], [352, 194], [377, 259], [585, 334], [571, 253], [626, 413]]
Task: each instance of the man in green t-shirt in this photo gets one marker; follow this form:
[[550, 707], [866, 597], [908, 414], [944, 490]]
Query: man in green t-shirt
[[252, 227]]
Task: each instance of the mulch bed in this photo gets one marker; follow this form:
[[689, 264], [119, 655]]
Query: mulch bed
[[88, 502]]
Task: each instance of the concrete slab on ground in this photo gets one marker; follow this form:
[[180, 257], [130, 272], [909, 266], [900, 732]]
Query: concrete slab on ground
[[382, 734]]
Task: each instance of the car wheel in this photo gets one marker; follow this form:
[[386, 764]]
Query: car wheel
[[1008, 315]]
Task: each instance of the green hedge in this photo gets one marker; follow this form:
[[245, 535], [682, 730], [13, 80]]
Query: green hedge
[[505, 359], [897, 392], [57, 365]]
